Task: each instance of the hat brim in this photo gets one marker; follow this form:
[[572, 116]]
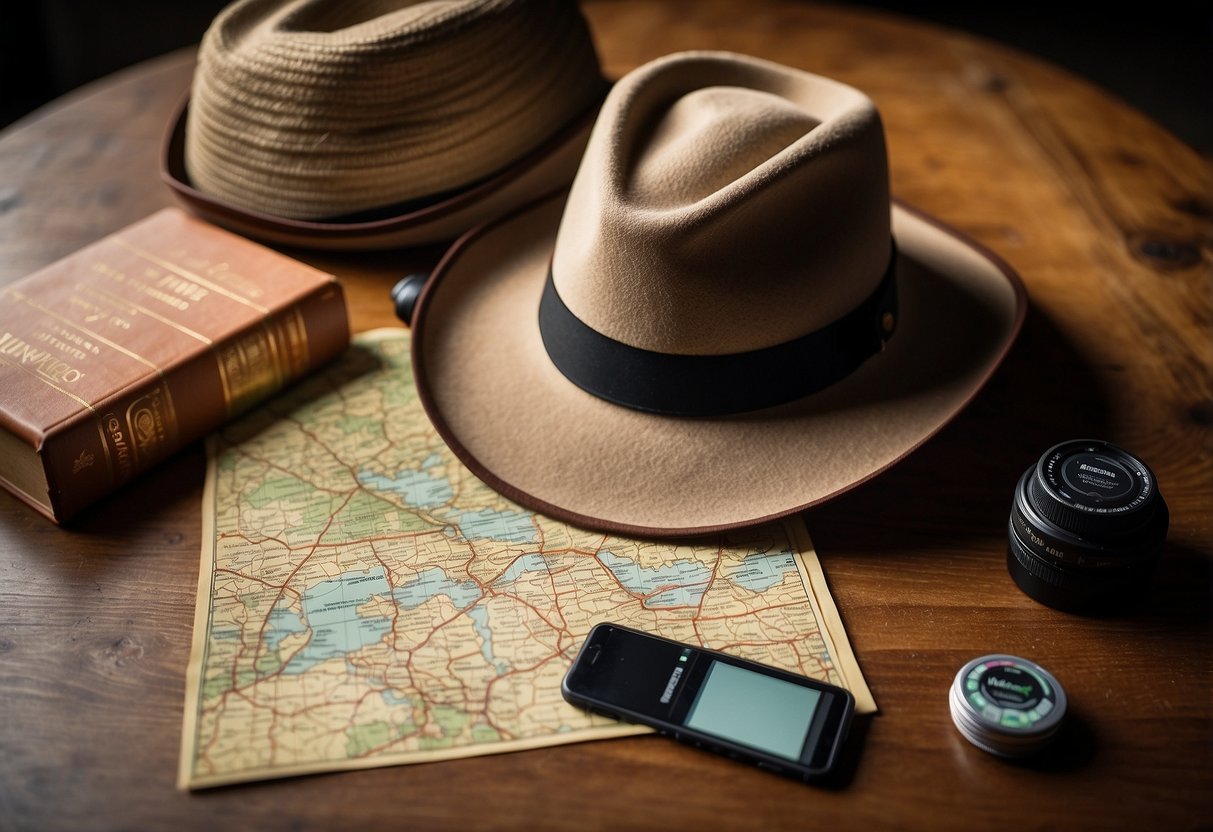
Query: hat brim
[[488, 386], [442, 219]]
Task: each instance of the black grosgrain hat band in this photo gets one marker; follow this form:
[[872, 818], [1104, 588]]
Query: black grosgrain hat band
[[715, 385]]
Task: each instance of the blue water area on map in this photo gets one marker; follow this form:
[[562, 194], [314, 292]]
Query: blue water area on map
[[760, 572], [682, 583], [532, 562], [434, 582], [415, 488], [390, 698], [480, 620], [282, 622], [430, 461], [506, 526], [330, 609]]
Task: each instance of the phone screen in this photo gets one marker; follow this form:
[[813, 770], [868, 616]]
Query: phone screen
[[754, 709], [774, 718]]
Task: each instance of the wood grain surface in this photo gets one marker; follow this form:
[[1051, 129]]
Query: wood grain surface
[[1105, 216]]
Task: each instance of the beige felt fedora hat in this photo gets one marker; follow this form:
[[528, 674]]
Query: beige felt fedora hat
[[382, 123], [726, 322]]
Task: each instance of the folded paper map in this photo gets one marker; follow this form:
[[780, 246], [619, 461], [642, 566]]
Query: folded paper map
[[365, 601]]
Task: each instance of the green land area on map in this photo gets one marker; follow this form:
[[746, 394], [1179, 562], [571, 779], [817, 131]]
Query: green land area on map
[[364, 600]]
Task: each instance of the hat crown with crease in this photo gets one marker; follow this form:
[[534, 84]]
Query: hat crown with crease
[[724, 206], [311, 109]]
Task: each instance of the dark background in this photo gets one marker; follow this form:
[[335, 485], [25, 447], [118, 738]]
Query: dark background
[[1157, 56]]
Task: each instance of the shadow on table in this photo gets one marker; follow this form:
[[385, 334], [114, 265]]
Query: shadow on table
[[959, 484]]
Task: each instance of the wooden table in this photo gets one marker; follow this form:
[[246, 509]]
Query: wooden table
[[1106, 217]]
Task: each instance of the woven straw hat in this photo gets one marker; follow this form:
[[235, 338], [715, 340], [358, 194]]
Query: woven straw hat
[[347, 123], [727, 322]]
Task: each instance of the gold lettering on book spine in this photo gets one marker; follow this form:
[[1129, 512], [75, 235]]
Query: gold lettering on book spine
[[140, 434], [117, 441], [151, 421], [262, 361]]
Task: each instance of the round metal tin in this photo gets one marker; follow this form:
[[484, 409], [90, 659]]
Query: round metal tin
[[1007, 705]]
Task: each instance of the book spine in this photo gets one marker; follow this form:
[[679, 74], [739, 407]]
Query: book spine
[[131, 431]]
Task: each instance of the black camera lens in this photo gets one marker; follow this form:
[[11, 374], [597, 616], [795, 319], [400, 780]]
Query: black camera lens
[[1087, 523]]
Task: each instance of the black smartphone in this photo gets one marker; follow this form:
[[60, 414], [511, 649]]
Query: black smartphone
[[779, 721]]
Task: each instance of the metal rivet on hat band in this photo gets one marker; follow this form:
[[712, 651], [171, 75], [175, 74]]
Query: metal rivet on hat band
[[713, 385]]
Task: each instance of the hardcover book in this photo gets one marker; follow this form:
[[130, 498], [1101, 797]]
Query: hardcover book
[[114, 357]]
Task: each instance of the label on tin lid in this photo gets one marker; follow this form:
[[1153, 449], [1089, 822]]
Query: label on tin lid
[[1006, 705]]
